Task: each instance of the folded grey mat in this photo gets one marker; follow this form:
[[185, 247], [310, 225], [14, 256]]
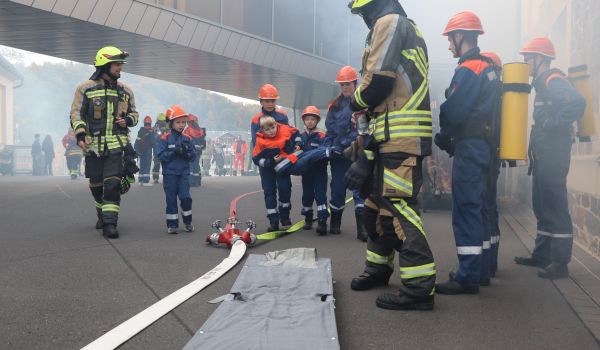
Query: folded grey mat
[[282, 300]]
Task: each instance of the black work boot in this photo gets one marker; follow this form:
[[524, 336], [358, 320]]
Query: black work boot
[[531, 261], [554, 271], [322, 228], [367, 281], [273, 227], [452, 287], [361, 232], [286, 222], [110, 231], [401, 301], [335, 223], [308, 222], [99, 221]]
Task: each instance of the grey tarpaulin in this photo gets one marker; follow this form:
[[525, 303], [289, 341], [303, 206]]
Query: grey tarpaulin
[[283, 300]]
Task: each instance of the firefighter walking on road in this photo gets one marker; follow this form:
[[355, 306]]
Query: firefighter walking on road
[[394, 91], [240, 149], [72, 153], [557, 106], [198, 136], [144, 143], [102, 112], [160, 128]]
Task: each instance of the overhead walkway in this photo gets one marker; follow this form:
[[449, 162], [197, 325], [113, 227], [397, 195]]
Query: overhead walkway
[[168, 45]]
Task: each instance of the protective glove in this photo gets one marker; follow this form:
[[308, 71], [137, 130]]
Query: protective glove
[[178, 150], [187, 150], [445, 143], [359, 172], [336, 152]]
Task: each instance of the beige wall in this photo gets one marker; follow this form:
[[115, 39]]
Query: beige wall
[[6, 112], [574, 27]]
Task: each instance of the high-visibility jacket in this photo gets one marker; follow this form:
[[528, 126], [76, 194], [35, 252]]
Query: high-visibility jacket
[[279, 116], [69, 142], [94, 110], [395, 86], [283, 144]]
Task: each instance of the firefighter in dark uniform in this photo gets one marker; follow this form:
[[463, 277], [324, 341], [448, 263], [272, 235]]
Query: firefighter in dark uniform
[[557, 106], [144, 143], [394, 91], [102, 112], [467, 132], [160, 128]]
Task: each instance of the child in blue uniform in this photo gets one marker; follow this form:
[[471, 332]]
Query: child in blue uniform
[[276, 145], [278, 154], [314, 180], [175, 151]]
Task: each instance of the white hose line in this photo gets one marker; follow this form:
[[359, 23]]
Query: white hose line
[[126, 330]]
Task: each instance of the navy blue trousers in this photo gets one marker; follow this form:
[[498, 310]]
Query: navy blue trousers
[[491, 215], [554, 240], [271, 184], [177, 186], [469, 170], [145, 165], [195, 176], [339, 167], [314, 188]]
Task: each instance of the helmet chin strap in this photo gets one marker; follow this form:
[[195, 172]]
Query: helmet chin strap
[[457, 46], [536, 66]]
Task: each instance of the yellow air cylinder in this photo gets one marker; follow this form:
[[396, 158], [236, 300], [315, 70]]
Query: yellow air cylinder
[[586, 126], [515, 108]]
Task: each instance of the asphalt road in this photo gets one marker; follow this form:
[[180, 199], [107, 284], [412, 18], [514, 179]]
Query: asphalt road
[[62, 284]]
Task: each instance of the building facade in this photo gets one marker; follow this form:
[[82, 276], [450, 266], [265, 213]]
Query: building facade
[[10, 78]]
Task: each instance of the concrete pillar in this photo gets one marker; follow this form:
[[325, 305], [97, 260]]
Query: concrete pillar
[[6, 111]]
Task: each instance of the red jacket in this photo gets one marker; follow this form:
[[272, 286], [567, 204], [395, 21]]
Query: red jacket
[[193, 132], [243, 148]]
